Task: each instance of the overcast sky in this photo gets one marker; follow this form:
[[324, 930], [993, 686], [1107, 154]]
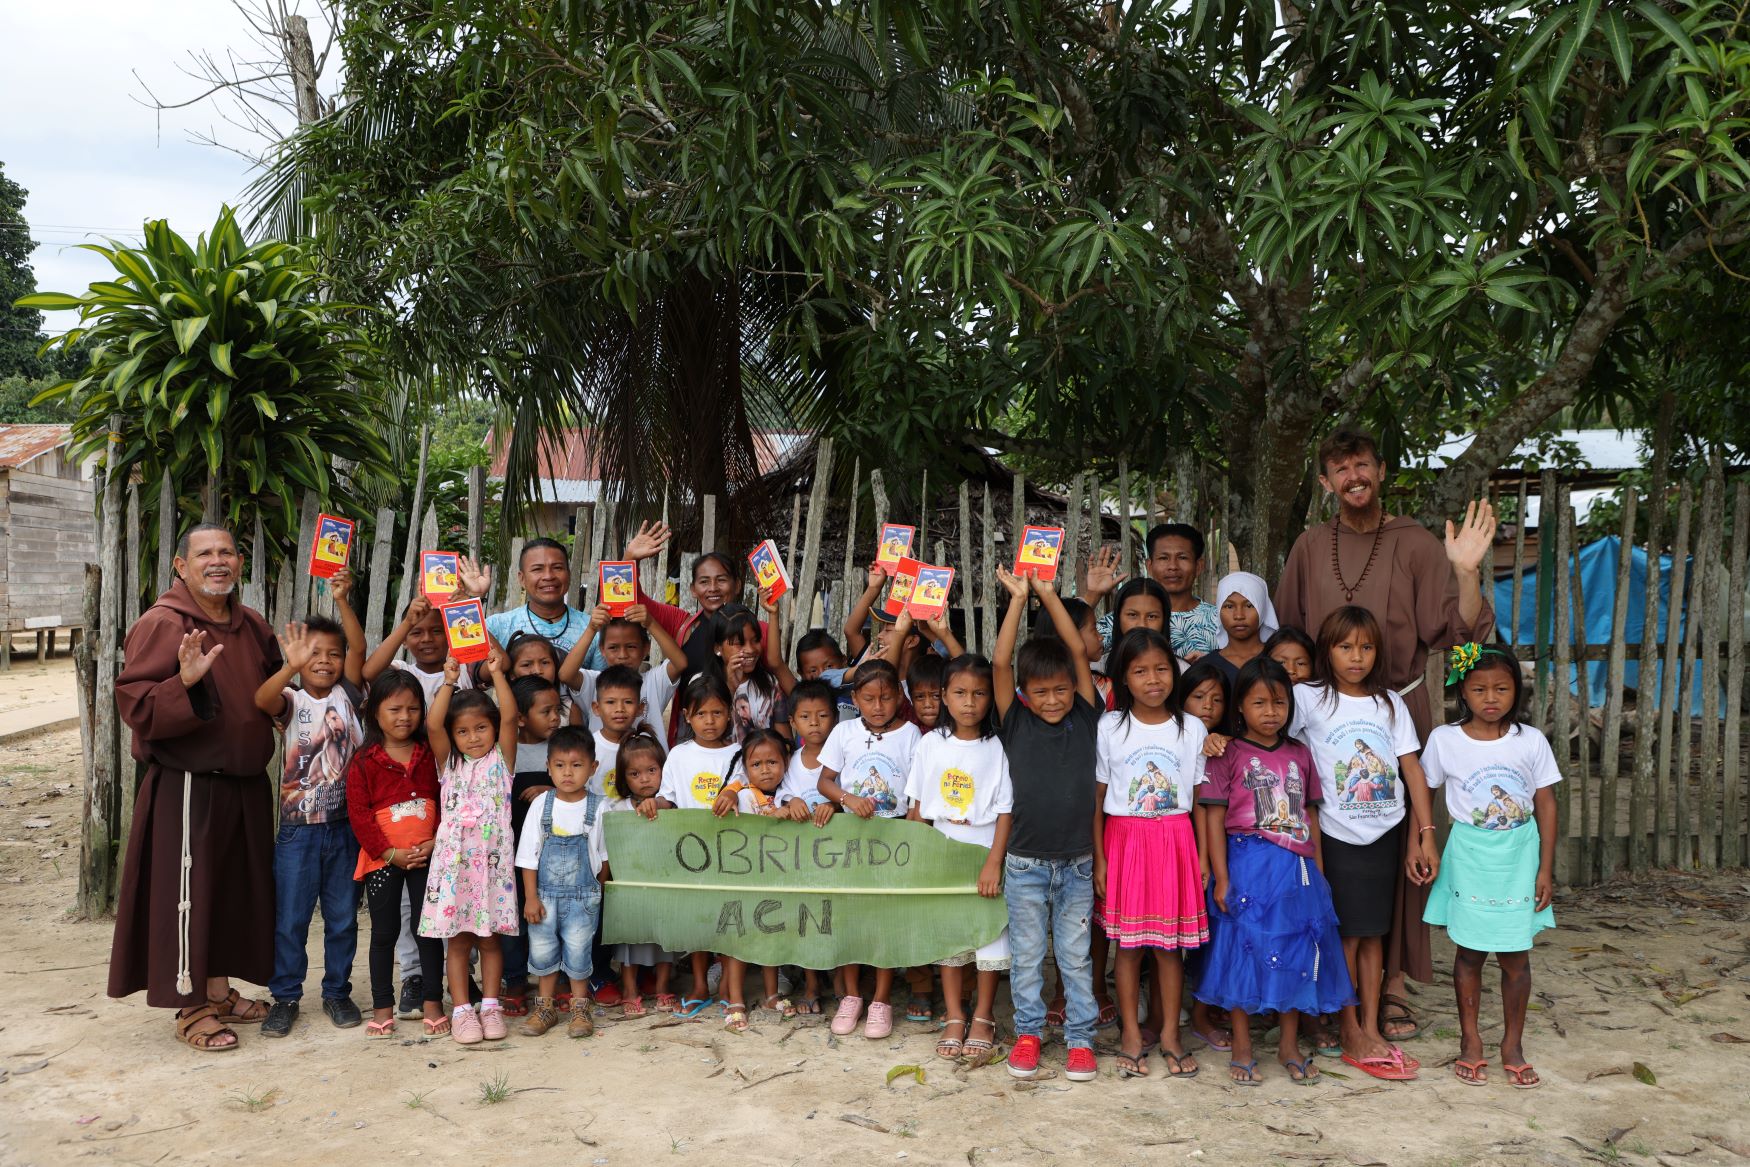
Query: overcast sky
[[97, 162]]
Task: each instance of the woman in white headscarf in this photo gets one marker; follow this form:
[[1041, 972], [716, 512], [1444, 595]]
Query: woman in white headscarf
[[1248, 619]]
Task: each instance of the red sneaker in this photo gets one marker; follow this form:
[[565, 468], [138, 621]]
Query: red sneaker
[[1024, 1058], [1081, 1066]]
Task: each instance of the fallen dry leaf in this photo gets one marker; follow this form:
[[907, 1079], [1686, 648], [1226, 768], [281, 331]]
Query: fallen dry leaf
[[1728, 1039]]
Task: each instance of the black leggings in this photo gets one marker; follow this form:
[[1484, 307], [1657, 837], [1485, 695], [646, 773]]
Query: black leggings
[[383, 893]]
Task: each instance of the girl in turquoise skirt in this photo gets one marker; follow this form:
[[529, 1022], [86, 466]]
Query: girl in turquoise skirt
[[1496, 876]]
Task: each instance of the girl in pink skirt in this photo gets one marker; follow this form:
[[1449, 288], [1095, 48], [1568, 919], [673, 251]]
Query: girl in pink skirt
[[1146, 825]]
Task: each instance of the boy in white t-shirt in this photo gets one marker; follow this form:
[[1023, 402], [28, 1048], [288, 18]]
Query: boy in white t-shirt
[[625, 642], [315, 853]]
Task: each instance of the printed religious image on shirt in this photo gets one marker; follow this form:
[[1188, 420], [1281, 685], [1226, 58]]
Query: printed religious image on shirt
[[1153, 790]]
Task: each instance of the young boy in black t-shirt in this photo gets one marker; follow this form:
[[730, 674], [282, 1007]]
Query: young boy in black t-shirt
[[1048, 731]]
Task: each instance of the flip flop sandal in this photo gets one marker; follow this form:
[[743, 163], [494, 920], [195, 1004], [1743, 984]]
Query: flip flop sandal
[[1176, 1064], [205, 1040], [385, 1028], [633, 1006], [1385, 1069], [1405, 1015], [978, 1047], [1213, 1040], [667, 1002], [236, 1009], [735, 1017], [1251, 1069], [1054, 1013], [519, 1006], [1517, 1075], [691, 1007], [951, 1047], [1108, 1015], [808, 1006], [919, 1012], [1404, 1059], [781, 1006], [1478, 1072], [436, 1026], [1302, 1073], [1132, 1066]]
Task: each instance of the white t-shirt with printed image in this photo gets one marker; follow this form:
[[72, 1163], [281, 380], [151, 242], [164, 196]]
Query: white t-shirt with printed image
[[1149, 770], [1490, 784], [870, 765], [1356, 743], [960, 781], [693, 774]]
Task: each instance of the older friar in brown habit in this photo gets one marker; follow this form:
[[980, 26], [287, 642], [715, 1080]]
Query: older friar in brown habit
[[196, 905]]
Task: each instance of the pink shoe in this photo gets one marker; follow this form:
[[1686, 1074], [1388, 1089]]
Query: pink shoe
[[492, 1025], [850, 1011], [465, 1027], [880, 1022]]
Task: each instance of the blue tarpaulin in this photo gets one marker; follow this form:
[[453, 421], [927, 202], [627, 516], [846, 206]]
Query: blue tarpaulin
[[1597, 571]]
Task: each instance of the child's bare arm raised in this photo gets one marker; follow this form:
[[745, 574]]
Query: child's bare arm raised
[[341, 588], [436, 736], [571, 668], [380, 660], [295, 648], [855, 641], [773, 650], [1071, 636], [938, 629], [1002, 664], [497, 669], [675, 659]]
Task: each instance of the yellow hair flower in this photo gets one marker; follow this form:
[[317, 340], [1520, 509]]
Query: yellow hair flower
[[1461, 660]]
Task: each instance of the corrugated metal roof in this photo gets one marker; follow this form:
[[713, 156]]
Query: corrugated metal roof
[[1596, 449], [20, 443], [569, 461]]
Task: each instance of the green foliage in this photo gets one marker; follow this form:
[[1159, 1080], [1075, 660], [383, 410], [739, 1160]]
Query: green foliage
[[911, 222], [221, 363], [19, 327], [16, 395]]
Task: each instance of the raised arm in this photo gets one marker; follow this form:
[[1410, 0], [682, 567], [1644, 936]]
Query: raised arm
[[1466, 547], [855, 641], [1071, 637], [270, 698], [507, 713], [894, 653], [938, 629], [380, 660], [674, 657], [571, 668], [1002, 662], [773, 650], [436, 736], [340, 587]]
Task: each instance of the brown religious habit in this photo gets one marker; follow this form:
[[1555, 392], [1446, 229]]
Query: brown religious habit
[[1400, 573], [197, 886]]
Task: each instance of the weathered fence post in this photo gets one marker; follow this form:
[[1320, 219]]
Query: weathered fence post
[[410, 576], [382, 565], [818, 501], [1555, 518], [1581, 871], [1672, 688], [1610, 748], [968, 572], [1731, 848], [1710, 564]]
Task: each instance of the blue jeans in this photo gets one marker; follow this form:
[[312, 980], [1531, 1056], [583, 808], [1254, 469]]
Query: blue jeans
[[1051, 900], [311, 861]]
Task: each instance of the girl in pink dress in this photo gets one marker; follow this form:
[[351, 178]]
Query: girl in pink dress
[[470, 896]]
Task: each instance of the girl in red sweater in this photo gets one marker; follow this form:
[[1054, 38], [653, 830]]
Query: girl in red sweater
[[392, 800]]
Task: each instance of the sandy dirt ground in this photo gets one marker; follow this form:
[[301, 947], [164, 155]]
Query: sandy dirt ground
[[1648, 973]]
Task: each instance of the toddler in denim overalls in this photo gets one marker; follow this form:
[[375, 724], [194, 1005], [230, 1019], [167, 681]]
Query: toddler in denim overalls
[[561, 877]]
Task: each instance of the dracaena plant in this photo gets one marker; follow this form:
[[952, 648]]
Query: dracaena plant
[[220, 363]]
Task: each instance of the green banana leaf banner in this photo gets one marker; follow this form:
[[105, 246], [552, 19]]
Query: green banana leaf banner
[[882, 892]]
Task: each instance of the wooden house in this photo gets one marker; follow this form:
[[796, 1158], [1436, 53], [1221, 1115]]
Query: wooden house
[[48, 533]]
